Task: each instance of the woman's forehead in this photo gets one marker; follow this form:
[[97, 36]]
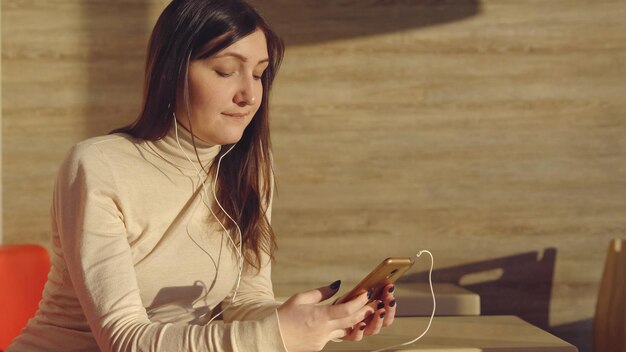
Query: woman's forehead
[[251, 48]]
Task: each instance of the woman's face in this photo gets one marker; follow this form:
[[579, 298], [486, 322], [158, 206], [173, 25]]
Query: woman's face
[[225, 90]]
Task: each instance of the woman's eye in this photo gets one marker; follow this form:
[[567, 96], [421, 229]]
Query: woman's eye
[[259, 76], [224, 74]]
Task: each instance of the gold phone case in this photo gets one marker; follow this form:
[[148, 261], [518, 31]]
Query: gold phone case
[[387, 272]]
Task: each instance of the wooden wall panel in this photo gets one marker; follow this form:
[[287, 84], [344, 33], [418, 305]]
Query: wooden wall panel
[[72, 70], [494, 141], [488, 132]]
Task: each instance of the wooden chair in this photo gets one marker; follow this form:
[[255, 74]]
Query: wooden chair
[[23, 273], [609, 328]]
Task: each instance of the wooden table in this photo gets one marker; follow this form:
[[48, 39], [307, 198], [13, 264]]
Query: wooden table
[[461, 334]]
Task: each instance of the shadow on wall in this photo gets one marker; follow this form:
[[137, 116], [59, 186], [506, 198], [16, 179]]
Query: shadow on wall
[[314, 21], [578, 333], [518, 285], [118, 32]]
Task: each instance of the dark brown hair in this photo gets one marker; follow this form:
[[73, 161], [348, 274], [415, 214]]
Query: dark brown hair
[[197, 29]]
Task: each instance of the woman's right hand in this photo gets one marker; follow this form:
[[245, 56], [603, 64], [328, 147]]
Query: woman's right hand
[[307, 326]]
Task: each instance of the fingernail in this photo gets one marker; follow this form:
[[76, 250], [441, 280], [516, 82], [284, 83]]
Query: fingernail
[[380, 305], [382, 315], [362, 327], [392, 303], [335, 285], [369, 294], [391, 289]]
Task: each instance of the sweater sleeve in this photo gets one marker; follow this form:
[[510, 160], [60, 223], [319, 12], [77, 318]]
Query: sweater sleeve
[[100, 266], [255, 297]]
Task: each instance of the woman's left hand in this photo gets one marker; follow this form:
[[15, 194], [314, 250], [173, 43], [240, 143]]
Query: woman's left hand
[[383, 316]]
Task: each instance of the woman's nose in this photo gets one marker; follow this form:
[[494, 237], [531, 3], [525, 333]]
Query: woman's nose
[[246, 94]]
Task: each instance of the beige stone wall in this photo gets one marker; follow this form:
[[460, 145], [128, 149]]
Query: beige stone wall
[[488, 132]]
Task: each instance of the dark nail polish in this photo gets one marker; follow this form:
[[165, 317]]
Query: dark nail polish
[[335, 285], [362, 327], [369, 294], [382, 315], [391, 289], [380, 305], [392, 303]]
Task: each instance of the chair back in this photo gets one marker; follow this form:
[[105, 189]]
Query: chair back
[[609, 326], [23, 273]]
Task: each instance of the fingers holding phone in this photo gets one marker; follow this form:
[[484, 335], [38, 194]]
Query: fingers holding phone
[[384, 314], [352, 327], [390, 304], [364, 310], [356, 333], [350, 312], [349, 315], [308, 326]]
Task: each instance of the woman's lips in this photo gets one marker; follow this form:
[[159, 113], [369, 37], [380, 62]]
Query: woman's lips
[[236, 115]]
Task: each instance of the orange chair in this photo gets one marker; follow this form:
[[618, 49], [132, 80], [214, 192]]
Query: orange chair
[[23, 272]]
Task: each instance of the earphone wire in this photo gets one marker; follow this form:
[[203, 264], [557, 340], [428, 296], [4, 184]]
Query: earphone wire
[[432, 315], [238, 249]]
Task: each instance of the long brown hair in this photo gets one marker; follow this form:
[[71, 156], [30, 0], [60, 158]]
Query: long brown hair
[[197, 29]]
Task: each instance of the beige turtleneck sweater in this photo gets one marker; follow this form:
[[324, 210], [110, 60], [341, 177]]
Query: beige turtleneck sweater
[[137, 263]]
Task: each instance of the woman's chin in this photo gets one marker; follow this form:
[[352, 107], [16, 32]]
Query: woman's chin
[[228, 139]]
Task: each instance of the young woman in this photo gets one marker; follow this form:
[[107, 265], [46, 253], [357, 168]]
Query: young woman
[[165, 223]]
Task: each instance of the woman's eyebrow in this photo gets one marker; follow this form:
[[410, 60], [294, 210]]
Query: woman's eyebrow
[[240, 57]]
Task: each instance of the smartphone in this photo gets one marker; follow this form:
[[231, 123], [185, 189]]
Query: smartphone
[[387, 272]]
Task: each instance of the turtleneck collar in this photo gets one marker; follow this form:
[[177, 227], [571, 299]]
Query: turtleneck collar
[[168, 147]]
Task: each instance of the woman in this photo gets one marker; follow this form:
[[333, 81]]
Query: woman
[[157, 224]]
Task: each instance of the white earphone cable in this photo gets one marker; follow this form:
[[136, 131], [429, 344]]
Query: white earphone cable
[[239, 248], [432, 315], [202, 178]]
